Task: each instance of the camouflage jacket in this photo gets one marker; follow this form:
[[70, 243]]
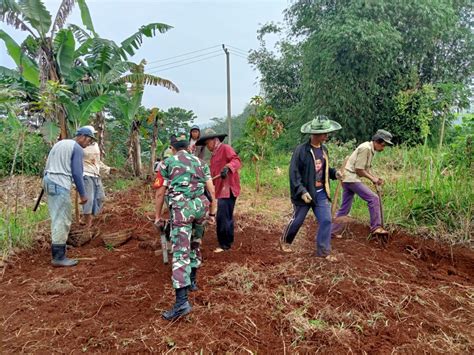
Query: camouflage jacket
[[185, 175]]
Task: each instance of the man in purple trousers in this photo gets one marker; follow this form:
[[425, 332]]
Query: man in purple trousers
[[358, 166]]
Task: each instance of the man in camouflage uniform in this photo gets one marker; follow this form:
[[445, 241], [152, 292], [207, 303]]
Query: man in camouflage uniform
[[185, 177]]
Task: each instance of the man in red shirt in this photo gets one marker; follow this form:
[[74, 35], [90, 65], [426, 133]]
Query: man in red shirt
[[224, 165]]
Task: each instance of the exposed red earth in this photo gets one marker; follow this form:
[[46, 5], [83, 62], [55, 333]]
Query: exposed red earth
[[412, 296]]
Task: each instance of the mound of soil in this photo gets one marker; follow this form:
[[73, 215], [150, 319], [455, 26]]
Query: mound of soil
[[411, 296]]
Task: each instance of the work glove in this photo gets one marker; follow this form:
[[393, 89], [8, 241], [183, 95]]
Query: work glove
[[306, 197], [224, 172]]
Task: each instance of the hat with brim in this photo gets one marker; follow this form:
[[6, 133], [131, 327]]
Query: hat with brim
[[320, 125], [210, 134], [384, 135]]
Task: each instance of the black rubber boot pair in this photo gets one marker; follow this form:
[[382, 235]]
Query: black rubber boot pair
[[181, 307], [59, 256], [193, 287]]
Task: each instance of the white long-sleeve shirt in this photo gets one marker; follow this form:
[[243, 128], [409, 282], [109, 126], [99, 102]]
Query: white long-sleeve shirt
[[93, 166]]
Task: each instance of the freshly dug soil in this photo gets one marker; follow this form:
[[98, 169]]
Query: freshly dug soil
[[411, 296]]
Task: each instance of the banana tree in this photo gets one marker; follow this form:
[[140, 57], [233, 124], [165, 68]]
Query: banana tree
[[130, 105], [54, 45], [108, 70]]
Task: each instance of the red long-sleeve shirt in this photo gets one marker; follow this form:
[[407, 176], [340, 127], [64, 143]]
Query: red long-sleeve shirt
[[224, 155]]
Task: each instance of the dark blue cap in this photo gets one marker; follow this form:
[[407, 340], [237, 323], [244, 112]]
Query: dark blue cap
[[84, 131]]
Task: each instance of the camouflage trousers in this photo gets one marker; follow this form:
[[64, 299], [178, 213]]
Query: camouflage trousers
[[187, 230]]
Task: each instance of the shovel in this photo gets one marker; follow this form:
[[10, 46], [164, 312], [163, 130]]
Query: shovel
[[383, 237]]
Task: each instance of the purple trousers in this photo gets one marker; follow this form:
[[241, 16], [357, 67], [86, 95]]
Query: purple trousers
[[373, 202]]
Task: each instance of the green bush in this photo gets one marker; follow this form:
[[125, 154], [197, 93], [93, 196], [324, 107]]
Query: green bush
[[460, 139], [31, 156]]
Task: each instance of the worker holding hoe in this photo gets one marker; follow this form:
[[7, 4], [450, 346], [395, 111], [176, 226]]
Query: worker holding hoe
[[225, 165], [357, 167], [184, 179], [309, 186], [64, 165]]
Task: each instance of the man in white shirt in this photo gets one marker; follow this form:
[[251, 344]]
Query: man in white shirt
[[93, 168]]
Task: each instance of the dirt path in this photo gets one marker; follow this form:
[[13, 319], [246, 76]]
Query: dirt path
[[413, 296]]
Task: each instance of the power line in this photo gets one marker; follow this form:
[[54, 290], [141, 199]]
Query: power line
[[184, 54], [239, 49], [240, 56], [184, 60], [180, 65]]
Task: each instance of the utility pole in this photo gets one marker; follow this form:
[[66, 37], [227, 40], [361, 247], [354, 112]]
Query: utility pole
[[229, 115]]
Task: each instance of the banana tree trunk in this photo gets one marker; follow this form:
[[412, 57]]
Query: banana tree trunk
[[99, 124], [49, 71], [134, 151]]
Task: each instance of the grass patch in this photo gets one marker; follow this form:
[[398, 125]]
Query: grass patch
[[121, 184], [20, 229]]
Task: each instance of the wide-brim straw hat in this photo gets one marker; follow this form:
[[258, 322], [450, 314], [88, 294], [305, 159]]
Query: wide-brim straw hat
[[320, 125], [209, 133]]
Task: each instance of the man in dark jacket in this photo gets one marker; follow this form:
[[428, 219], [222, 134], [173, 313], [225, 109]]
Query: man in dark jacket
[[309, 185]]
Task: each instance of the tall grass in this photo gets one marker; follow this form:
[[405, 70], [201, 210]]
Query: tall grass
[[424, 192], [20, 229]]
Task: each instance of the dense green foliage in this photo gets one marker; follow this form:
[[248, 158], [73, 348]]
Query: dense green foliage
[[351, 60]]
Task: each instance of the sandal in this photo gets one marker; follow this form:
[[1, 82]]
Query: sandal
[[379, 230], [284, 247], [218, 250], [331, 258]]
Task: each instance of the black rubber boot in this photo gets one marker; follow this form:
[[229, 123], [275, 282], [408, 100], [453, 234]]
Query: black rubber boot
[[193, 287], [181, 307], [59, 256]]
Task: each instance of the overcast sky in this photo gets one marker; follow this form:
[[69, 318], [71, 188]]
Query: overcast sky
[[197, 25]]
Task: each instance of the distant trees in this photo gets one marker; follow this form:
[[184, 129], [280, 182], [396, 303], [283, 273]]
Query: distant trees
[[351, 60]]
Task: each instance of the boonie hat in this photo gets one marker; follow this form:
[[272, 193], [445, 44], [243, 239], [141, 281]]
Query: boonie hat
[[319, 125]]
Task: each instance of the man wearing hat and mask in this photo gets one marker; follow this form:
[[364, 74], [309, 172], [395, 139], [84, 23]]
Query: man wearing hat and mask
[[184, 179], [225, 165], [64, 165], [309, 185], [357, 167]]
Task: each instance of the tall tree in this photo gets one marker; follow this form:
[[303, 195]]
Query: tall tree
[[357, 55]]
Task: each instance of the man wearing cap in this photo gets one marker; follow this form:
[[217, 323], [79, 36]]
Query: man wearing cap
[[225, 165], [194, 135], [358, 165], [93, 168], [185, 177], [64, 165], [309, 186]]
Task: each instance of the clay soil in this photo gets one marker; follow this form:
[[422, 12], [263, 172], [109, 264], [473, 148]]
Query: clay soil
[[412, 296]]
